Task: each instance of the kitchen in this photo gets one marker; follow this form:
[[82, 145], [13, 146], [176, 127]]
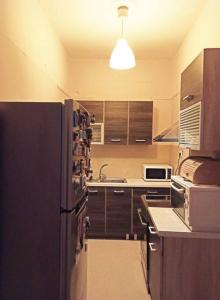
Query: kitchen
[[36, 66]]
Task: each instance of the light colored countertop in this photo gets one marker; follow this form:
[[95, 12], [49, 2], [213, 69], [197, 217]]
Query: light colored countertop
[[132, 182], [168, 224]]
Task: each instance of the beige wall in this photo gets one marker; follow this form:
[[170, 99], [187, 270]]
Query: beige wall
[[149, 80], [34, 64], [127, 161]]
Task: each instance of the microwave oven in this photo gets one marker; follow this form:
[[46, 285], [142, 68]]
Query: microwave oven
[[198, 206], [157, 172]]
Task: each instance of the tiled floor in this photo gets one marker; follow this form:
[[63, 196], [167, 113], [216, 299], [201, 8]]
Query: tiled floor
[[114, 271]]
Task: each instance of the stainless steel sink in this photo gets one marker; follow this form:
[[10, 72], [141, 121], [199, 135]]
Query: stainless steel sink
[[114, 180], [111, 180]]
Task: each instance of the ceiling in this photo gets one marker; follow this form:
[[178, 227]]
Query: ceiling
[[90, 28]]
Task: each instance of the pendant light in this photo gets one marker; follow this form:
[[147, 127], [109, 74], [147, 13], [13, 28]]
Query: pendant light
[[122, 56]]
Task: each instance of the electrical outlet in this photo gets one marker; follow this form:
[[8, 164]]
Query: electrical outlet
[[180, 153]]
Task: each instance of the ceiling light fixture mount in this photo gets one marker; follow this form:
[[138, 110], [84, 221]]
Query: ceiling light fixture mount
[[122, 57]]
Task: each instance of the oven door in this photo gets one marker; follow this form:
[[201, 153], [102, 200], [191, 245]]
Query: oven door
[[77, 253], [178, 199]]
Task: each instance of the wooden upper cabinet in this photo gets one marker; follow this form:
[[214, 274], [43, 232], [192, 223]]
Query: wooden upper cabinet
[[116, 122], [125, 122], [199, 104], [192, 83], [94, 108], [140, 122]]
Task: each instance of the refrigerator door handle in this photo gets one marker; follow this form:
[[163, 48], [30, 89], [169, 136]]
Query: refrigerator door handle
[[88, 224]]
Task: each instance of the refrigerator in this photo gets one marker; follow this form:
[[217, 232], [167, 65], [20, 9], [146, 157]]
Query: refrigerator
[[44, 162]]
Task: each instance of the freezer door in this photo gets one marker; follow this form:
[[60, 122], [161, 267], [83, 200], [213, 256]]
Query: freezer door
[[78, 281], [76, 255]]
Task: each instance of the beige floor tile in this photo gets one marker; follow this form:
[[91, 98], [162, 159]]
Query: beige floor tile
[[114, 271]]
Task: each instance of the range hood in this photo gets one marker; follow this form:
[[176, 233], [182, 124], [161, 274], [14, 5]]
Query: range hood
[[171, 134]]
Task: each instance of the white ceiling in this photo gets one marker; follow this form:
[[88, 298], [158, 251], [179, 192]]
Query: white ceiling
[[90, 28]]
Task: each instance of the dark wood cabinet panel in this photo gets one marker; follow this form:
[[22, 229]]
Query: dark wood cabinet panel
[[116, 122], [191, 83], [192, 265], [94, 108], [178, 267], [96, 211], [140, 122], [200, 86], [118, 211], [155, 267]]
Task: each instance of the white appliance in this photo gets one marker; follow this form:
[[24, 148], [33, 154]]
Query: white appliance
[[197, 205], [157, 172]]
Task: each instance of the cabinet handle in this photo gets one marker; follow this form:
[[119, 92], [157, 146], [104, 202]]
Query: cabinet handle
[[140, 141], [152, 249], [152, 192], [152, 230], [188, 98], [115, 140], [119, 192], [140, 217], [92, 191]]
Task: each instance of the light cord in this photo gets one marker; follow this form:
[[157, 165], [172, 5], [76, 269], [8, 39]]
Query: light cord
[[122, 27]]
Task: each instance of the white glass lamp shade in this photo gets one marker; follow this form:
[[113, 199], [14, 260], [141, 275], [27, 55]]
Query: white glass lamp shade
[[122, 56]]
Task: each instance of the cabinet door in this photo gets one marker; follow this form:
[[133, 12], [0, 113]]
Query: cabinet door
[[118, 212], [94, 108], [140, 122], [96, 211], [155, 267], [116, 122], [192, 83]]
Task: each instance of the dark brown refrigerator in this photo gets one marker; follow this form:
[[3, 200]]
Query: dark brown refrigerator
[[44, 160]]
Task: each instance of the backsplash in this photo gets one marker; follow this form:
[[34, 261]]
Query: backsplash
[[126, 161]]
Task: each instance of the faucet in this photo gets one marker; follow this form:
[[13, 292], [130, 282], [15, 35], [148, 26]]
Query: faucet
[[100, 172]]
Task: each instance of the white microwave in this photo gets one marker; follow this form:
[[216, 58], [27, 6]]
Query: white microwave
[[157, 172]]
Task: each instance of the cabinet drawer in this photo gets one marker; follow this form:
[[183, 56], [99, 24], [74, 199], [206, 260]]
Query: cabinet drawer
[[152, 193], [191, 83]]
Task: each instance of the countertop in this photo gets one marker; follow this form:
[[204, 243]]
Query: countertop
[[168, 224], [132, 182]]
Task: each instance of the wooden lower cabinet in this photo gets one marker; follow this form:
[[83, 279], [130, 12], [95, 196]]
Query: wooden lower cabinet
[[155, 248], [96, 212], [109, 210], [184, 268], [118, 212], [113, 210]]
